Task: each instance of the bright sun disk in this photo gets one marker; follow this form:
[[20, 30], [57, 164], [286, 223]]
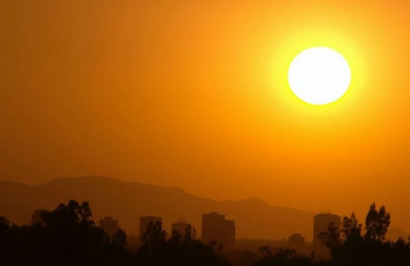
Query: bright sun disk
[[319, 75]]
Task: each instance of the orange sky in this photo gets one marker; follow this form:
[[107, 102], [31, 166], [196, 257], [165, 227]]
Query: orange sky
[[193, 94]]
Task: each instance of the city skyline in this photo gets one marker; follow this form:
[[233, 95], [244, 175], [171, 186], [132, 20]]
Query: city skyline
[[246, 228], [216, 225], [217, 229], [68, 226]]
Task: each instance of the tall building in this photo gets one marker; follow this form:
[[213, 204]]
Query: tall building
[[180, 226], [144, 222], [297, 242], [36, 217], [230, 230], [216, 228], [109, 225], [320, 224]]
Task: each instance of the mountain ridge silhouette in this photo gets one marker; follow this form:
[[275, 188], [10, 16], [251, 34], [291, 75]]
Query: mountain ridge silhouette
[[127, 201]]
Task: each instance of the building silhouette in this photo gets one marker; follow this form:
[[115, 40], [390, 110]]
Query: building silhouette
[[179, 226], [297, 242], [320, 224], [216, 228], [36, 216], [109, 225], [144, 222]]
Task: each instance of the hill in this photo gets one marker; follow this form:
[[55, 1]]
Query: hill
[[394, 233], [127, 201]]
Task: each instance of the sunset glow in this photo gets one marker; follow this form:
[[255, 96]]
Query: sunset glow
[[300, 104]]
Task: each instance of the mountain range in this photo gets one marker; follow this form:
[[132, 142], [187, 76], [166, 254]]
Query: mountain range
[[127, 201]]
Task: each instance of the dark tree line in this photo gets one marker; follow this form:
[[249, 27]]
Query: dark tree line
[[350, 245], [181, 250], [68, 236]]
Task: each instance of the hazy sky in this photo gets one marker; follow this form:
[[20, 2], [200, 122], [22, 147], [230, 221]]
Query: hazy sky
[[194, 94]]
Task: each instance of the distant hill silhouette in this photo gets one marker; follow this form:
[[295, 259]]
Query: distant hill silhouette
[[394, 233], [127, 201]]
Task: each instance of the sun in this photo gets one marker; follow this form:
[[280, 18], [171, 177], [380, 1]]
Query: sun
[[319, 76]]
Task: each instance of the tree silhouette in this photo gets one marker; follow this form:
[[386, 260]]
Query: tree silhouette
[[190, 234], [217, 249], [119, 239], [178, 250], [377, 224], [154, 235], [351, 227], [266, 251], [331, 239], [282, 257], [69, 215], [4, 225], [353, 248], [69, 237]]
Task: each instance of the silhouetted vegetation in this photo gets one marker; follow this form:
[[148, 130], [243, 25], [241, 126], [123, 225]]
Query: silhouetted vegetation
[[350, 246], [68, 236], [283, 257], [180, 249]]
